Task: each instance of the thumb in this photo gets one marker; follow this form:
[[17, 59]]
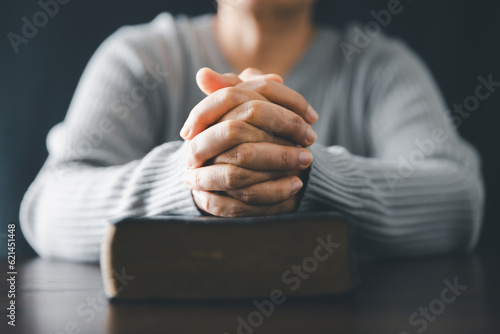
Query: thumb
[[210, 81]]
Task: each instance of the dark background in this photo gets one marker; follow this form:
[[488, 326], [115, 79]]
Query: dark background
[[459, 40]]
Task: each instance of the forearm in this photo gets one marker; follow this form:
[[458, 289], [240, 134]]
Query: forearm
[[65, 211], [434, 208]]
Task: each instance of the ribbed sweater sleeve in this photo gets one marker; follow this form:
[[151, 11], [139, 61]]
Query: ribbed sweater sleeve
[[419, 192], [106, 159]]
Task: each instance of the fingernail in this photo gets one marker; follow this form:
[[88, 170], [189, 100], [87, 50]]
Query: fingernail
[[297, 185], [312, 115], [305, 159], [310, 136], [185, 132]]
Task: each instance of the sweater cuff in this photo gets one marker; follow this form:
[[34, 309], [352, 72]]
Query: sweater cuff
[[334, 182], [156, 186]]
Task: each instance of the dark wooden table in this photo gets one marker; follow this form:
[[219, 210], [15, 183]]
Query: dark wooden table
[[58, 297]]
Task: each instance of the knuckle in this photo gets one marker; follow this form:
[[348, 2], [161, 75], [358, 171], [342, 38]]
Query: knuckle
[[210, 206], [231, 178], [263, 84], [207, 205], [281, 194], [240, 156], [197, 180], [276, 125], [284, 158], [234, 178], [227, 95], [297, 123], [247, 196], [236, 211], [233, 130], [250, 109], [195, 152]]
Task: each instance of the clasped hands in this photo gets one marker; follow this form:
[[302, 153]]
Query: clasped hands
[[247, 142]]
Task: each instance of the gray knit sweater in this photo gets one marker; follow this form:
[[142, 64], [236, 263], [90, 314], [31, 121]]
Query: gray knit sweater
[[386, 155]]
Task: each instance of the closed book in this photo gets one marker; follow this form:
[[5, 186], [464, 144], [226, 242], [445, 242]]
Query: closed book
[[178, 257]]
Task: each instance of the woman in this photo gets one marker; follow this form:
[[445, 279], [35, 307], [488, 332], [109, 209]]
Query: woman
[[382, 151]]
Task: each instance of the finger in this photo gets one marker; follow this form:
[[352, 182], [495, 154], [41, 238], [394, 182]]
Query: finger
[[282, 95], [266, 156], [225, 177], [210, 81], [213, 107], [224, 206], [252, 73], [224, 136], [274, 118], [269, 192], [220, 102]]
